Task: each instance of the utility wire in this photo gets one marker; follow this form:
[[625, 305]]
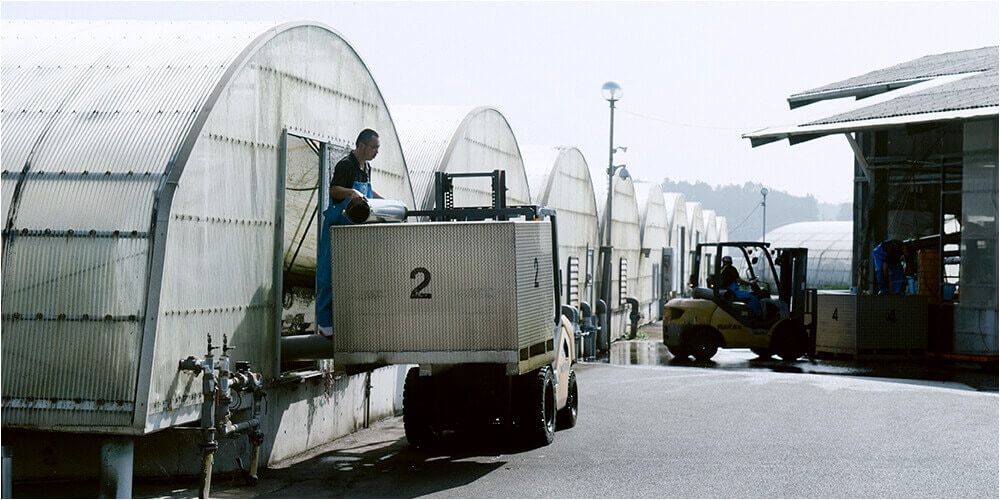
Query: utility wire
[[746, 218], [677, 124]]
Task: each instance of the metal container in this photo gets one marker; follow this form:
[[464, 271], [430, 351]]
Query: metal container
[[871, 326], [443, 292], [836, 323]]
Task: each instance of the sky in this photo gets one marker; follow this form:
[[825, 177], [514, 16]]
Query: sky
[[696, 75]]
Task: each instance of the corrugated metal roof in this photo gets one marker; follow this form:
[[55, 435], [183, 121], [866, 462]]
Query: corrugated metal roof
[[952, 86], [901, 75]]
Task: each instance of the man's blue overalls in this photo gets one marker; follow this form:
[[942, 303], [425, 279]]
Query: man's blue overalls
[[883, 254], [332, 216], [744, 296]]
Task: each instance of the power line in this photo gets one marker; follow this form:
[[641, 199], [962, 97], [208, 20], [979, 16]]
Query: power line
[[746, 219], [678, 124]]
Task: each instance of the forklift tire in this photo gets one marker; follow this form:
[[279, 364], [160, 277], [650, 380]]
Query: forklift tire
[[789, 341], [566, 418], [678, 352], [538, 406], [417, 421], [704, 346], [762, 353]]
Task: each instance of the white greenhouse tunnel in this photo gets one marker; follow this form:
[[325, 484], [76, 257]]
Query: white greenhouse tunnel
[[559, 178], [460, 140], [711, 232], [188, 170], [830, 248], [722, 228], [653, 237], [696, 234], [626, 249], [676, 209]]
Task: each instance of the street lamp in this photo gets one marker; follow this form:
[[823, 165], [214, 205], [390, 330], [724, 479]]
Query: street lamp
[[763, 203], [612, 92]]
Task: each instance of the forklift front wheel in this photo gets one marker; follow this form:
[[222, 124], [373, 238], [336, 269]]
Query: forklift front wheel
[[704, 345]]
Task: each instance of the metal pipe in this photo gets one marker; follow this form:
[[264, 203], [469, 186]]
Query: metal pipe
[[8, 473], [306, 348], [606, 272], [205, 489], [215, 410], [116, 467]]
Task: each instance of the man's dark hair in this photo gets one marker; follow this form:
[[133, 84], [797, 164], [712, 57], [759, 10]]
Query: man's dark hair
[[366, 136]]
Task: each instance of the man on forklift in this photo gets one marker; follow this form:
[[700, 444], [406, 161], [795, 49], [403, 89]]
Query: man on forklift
[[730, 279]]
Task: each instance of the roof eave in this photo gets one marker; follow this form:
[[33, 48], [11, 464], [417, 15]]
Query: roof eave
[[858, 92], [802, 133]]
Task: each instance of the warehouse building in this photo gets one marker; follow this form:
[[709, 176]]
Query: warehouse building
[[924, 135]]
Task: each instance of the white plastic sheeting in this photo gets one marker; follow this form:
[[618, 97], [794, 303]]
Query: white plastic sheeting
[[162, 143], [676, 208], [830, 245], [696, 234], [460, 140], [653, 235], [626, 251], [722, 228], [711, 231]]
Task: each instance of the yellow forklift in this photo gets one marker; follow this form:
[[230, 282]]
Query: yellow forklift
[[714, 317]]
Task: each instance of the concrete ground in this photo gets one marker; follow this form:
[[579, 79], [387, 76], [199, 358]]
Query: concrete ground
[[345, 467]]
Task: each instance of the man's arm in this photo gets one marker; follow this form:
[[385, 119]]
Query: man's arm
[[340, 193]]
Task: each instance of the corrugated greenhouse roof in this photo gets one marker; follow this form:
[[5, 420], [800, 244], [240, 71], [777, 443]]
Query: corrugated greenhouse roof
[[951, 86]]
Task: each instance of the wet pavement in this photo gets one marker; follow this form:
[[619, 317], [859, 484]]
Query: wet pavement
[[649, 350]]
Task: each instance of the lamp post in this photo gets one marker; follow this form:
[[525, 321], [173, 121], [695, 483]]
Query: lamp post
[[612, 92], [763, 203]]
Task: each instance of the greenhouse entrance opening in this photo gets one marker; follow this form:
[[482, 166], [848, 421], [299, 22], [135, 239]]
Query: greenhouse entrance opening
[[307, 167]]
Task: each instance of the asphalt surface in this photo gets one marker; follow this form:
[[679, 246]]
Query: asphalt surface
[[654, 427], [649, 350]]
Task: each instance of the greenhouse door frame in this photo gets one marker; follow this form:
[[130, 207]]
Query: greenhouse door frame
[[325, 147]]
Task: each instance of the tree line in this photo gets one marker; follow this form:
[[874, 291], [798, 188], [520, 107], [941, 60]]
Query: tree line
[[744, 213]]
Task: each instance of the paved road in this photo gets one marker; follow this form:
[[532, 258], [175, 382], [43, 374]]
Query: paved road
[[684, 431]]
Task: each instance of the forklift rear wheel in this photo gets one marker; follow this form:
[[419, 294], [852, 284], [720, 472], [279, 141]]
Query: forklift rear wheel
[[416, 409]]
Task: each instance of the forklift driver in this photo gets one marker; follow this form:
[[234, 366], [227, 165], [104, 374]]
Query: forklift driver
[[731, 280]]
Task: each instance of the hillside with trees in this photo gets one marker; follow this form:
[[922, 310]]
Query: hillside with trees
[[741, 206]]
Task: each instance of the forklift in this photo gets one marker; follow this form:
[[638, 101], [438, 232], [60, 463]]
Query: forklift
[[713, 317]]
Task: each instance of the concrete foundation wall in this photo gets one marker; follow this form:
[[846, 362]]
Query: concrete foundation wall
[[299, 416]]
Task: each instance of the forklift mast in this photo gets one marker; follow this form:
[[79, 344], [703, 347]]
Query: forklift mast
[[792, 289]]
